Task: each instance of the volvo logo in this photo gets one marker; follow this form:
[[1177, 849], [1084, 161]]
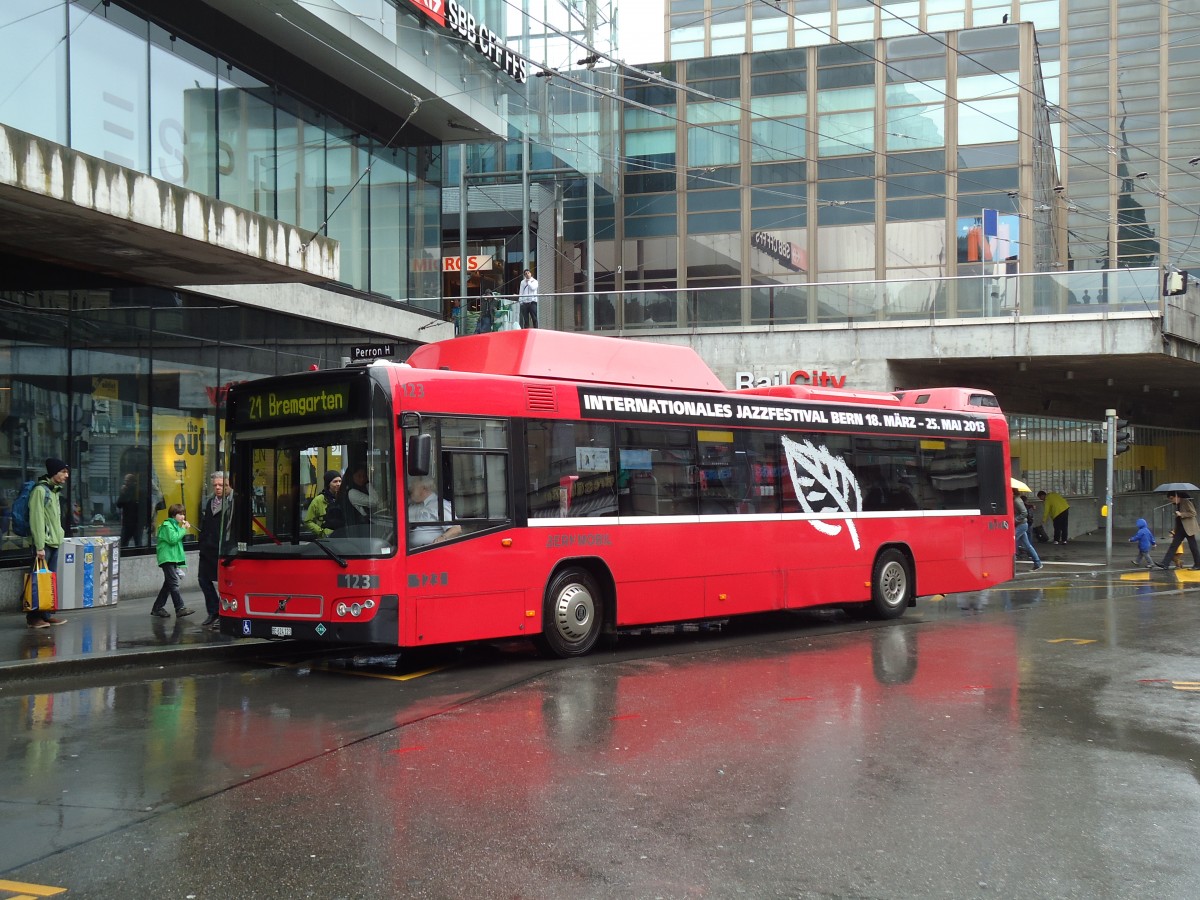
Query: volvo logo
[[282, 605]]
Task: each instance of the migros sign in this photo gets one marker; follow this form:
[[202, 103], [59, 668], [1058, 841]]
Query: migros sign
[[743, 380]]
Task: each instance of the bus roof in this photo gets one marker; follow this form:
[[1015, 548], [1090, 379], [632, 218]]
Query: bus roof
[[560, 355]]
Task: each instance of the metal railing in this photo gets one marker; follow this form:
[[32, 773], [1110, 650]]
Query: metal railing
[[925, 300]]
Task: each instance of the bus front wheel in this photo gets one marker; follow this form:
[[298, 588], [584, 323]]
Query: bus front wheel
[[572, 615], [891, 585]]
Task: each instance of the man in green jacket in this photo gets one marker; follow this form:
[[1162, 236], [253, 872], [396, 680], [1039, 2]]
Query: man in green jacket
[[46, 530], [1056, 510]]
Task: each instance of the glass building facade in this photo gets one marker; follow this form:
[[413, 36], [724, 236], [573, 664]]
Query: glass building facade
[[1121, 85], [111, 84]]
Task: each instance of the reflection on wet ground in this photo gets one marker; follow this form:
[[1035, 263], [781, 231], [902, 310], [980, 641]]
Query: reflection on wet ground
[[1035, 740]]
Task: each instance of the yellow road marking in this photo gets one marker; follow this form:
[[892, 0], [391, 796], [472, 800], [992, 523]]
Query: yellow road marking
[[1135, 576], [406, 677], [1071, 641], [30, 890], [338, 670]]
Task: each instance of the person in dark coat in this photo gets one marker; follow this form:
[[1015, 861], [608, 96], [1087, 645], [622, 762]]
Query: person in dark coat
[[216, 518]]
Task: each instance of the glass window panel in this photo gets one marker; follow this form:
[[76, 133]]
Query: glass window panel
[[33, 69], [1043, 15], [109, 90], [1004, 61], [183, 127], [713, 146], [846, 99], [986, 86], [346, 160], [846, 133], [770, 174], [775, 140], [791, 83], [898, 163], [916, 127], [388, 190], [702, 223], [650, 204], [779, 105], [650, 143], [706, 201], [847, 167], [246, 152], [582, 452], [301, 143], [716, 67], [706, 113], [656, 471], [767, 218], [780, 195], [662, 117], [988, 121], [953, 21], [907, 210], [911, 92], [650, 226], [845, 76]]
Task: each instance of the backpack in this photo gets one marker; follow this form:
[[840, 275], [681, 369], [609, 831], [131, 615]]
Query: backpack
[[20, 510]]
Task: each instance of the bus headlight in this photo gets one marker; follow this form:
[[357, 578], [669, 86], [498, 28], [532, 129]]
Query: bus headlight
[[355, 609], [341, 609]]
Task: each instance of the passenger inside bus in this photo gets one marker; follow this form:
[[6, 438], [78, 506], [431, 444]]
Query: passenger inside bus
[[361, 503], [423, 507]]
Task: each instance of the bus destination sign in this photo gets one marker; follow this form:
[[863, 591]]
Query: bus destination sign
[[623, 405], [292, 404]]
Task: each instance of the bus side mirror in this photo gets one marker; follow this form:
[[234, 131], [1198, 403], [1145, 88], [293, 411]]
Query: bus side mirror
[[420, 454]]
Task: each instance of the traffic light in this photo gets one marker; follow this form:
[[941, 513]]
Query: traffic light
[[1123, 437]]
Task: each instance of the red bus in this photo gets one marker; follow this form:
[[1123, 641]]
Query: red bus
[[561, 486]]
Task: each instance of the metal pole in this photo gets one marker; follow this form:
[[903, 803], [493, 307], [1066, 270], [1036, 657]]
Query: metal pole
[[525, 263], [1110, 416], [462, 232], [588, 312]]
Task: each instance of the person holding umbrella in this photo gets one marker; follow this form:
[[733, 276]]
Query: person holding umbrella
[[1186, 526], [1021, 521]]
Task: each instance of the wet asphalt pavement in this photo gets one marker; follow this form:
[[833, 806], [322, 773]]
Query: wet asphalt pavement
[[1037, 740]]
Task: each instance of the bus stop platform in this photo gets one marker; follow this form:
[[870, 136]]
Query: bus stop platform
[[118, 636], [124, 635]]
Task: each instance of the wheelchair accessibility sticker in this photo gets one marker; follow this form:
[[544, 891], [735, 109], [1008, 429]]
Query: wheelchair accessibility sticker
[[246, 627]]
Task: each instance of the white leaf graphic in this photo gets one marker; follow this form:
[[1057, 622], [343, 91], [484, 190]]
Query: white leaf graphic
[[836, 490]]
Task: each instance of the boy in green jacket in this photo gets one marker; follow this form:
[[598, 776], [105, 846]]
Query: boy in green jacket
[[172, 559]]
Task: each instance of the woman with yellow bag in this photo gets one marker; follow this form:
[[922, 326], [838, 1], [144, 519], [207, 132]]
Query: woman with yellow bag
[[46, 532]]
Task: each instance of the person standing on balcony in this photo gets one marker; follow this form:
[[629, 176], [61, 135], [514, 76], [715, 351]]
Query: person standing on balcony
[[529, 300]]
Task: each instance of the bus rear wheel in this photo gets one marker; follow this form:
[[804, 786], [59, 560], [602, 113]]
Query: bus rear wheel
[[891, 585], [573, 614]]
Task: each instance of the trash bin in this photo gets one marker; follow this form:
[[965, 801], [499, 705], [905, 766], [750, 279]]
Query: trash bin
[[88, 572]]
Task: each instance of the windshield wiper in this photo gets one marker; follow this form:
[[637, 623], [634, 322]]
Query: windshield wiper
[[330, 552]]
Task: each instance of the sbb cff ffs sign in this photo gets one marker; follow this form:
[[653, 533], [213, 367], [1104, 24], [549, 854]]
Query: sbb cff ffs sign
[[435, 9]]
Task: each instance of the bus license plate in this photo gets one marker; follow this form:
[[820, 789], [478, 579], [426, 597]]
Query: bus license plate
[[281, 631]]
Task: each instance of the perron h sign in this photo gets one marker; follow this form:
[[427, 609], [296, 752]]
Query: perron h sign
[[372, 351]]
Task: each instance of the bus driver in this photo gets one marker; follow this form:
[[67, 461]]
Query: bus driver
[[423, 507]]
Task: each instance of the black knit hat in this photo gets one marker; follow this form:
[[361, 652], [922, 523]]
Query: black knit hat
[[330, 475], [54, 466]]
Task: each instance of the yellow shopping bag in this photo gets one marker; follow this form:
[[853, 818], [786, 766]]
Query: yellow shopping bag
[[41, 591]]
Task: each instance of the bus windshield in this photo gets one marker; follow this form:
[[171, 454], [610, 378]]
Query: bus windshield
[[318, 489]]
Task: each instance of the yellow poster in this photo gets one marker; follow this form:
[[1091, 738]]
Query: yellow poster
[[184, 457]]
